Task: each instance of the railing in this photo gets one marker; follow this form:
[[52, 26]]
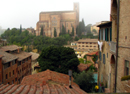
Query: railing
[[113, 47]]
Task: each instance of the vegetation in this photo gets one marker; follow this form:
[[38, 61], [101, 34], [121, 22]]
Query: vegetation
[[125, 78], [85, 80], [72, 33], [59, 59], [14, 36], [41, 33]]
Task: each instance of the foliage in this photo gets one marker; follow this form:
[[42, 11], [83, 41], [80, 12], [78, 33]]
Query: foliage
[[85, 80], [95, 58], [55, 33], [14, 36], [41, 33], [76, 38], [59, 59], [84, 61], [92, 68], [63, 31], [88, 28], [94, 31], [125, 78]]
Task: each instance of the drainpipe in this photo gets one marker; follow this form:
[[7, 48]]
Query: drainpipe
[[117, 43]]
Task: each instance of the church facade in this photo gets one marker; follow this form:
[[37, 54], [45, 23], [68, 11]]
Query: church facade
[[55, 19]]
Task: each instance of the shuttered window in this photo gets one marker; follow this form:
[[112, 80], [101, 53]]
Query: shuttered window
[[106, 34], [110, 34], [99, 35], [103, 58]]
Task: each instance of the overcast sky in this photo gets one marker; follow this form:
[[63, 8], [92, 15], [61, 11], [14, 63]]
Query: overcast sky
[[26, 12]]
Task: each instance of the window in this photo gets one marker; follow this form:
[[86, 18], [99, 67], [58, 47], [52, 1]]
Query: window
[[19, 63], [15, 79], [13, 72], [6, 76], [106, 34], [126, 67], [82, 45], [7, 65], [110, 34], [103, 34], [13, 62], [103, 58], [12, 81]]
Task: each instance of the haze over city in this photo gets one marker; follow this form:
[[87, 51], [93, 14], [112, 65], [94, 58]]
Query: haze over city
[[26, 12]]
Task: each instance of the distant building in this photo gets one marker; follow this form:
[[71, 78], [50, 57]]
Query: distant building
[[57, 19], [88, 44], [14, 65], [31, 31]]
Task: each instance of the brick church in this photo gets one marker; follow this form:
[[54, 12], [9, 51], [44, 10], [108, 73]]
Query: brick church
[[55, 19]]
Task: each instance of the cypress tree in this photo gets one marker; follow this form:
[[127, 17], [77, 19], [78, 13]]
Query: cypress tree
[[20, 29], [55, 33], [41, 33]]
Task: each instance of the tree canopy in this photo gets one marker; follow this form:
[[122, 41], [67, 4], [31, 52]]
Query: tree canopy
[[85, 80], [59, 59]]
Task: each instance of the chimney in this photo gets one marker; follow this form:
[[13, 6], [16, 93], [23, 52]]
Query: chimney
[[70, 75]]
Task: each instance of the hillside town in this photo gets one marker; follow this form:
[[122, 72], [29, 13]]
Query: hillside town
[[62, 55]]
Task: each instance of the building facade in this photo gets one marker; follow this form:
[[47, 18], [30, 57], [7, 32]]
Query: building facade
[[108, 74], [15, 64], [55, 20], [88, 44]]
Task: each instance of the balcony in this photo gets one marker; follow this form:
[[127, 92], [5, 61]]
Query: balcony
[[113, 47]]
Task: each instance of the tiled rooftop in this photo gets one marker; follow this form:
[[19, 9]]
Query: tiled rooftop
[[22, 55], [46, 77], [7, 57], [93, 53], [10, 48], [34, 55], [43, 89], [83, 67], [88, 40]]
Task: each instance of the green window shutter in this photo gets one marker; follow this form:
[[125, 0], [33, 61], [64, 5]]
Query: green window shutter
[[106, 34], [99, 35], [110, 34]]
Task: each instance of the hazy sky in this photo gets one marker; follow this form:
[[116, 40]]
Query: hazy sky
[[26, 12]]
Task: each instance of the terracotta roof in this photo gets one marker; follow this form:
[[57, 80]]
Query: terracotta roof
[[22, 55], [10, 48], [92, 53], [7, 57], [1, 56], [47, 76], [83, 67], [34, 55], [88, 40], [43, 89]]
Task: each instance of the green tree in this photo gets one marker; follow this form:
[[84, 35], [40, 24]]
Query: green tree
[[76, 38], [20, 29], [94, 31], [59, 59], [85, 80], [55, 33], [41, 33], [88, 28]]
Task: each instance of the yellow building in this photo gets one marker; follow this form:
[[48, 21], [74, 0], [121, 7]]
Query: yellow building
[[34, 61], [55, 19]]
